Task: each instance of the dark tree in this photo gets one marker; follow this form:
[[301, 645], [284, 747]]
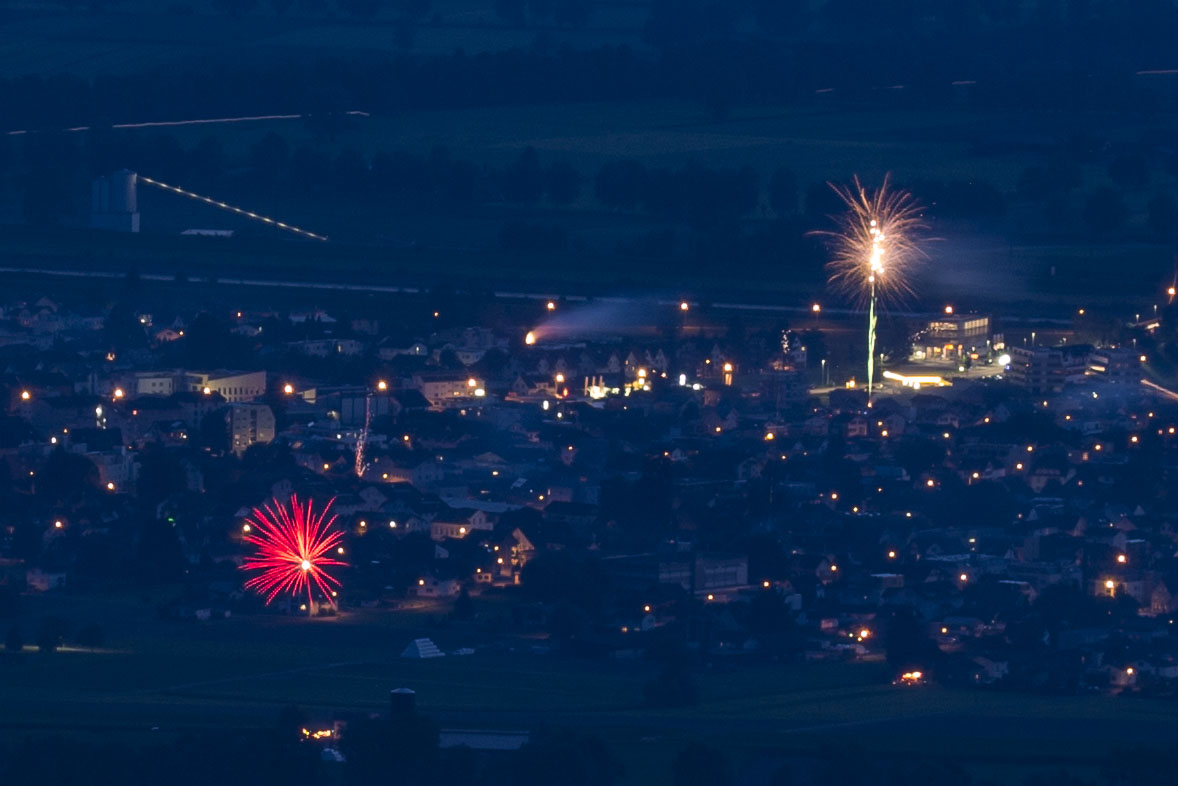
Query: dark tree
[[66, 476], [562, 183], [46, 198], [524, 180], [91, 637], [270, 157], [9, 602], [620, 184], [1129, 170], [463, 606], [569, 758], [783, 192], [907, 643], [1104, 212], [1163, 216], [158, 555], [160, 475], [51, 634], [401, 750]]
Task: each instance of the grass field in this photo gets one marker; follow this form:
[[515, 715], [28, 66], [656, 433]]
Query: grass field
[[238, 673]]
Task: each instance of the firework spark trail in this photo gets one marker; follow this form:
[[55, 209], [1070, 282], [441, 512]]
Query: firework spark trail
[[362, 442], [292, 545], [875, 247]]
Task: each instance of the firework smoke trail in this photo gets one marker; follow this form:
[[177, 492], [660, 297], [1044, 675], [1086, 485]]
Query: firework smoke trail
[[875, 248], [292, 543]]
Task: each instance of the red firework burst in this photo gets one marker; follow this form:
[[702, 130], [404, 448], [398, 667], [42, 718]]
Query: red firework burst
[[293, 544]]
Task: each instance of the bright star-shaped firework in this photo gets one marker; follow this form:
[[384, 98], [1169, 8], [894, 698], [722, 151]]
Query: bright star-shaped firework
[[875, 245], [293, 545]]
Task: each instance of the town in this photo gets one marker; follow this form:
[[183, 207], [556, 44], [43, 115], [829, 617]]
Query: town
[[1010, 528]]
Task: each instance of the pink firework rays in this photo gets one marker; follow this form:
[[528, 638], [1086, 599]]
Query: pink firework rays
[[294, 546]]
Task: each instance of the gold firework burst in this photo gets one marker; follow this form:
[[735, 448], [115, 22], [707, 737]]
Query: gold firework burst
[[875, 243]]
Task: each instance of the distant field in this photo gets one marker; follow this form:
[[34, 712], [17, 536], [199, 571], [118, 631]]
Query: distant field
[[40, 38]]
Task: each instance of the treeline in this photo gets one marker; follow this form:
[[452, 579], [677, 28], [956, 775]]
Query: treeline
[[693, 194]]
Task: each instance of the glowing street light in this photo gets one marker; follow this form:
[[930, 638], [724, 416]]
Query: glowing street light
[[288, 388], [684, 306], [25, 395]]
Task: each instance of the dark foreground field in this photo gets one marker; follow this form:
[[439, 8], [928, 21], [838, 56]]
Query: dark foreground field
[[155, 679]]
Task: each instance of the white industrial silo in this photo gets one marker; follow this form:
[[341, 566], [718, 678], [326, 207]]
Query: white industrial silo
[[114, 202]]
